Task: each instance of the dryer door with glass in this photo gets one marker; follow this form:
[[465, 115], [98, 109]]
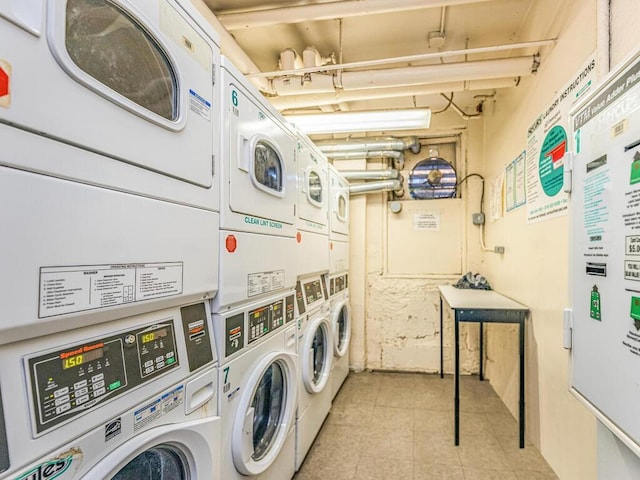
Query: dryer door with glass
[[313, 189], [316, 354], [131, 81], [260, 160], [266, 413], [339, 205]]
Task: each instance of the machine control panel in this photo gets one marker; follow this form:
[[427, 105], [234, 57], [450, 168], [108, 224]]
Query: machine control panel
[[265, 319], [69, 381], [315, 290], [338, 284]]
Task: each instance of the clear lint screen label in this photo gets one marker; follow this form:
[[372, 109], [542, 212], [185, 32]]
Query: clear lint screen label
[[73, 289]]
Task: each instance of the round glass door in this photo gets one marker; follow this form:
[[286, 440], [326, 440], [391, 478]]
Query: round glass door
[[342, 330], [316, 361], [162, 462], [268, 409]]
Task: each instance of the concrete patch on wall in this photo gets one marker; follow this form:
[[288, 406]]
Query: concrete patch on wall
[[403, 327]]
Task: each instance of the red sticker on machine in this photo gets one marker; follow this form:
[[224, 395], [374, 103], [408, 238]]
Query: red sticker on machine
[[5, 84]]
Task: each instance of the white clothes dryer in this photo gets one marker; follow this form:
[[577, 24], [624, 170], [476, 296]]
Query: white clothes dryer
[[257, 219], [341, 330], [120, 386], [108, 166], [258, 390], [315, 350], [312, 211]]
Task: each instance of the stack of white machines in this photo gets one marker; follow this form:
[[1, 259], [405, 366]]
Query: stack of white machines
[[339, 277], [253, 313], [108, 368], [161, 218]]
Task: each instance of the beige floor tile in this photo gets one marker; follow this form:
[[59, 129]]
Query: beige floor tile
[[422, 471], [482, 452], [371, 468], [436, 450], [395, 445], [536, 476], [487, 474], [397, 397], [354, 414], [431, 422]]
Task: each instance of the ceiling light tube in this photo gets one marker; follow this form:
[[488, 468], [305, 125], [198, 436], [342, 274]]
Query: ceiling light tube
[[374, 121]]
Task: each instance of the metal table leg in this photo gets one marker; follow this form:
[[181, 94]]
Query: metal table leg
[[521, 328], [481, 350], [456, 399], [441, 342]]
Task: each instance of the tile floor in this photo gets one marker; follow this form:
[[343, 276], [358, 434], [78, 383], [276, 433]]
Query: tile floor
[[394, 426]]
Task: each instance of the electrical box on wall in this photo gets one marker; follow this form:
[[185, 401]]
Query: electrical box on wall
[[478, 218]]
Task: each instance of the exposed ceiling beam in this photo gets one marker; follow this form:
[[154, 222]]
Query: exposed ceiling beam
[[328, 11]]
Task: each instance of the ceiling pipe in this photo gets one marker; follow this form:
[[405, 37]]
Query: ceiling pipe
[[387, 174], [304, 100], [399, 144], [405, 59], [373, 187], [328, 11], [232, 50], [410, 76], [397, 157]]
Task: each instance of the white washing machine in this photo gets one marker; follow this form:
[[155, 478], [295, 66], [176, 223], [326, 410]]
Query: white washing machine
[[257, 214], [4, 446], [339, 276], [109, 131], [111, 400], [258, 389], [341, 327], [315, 350], [312, 211]]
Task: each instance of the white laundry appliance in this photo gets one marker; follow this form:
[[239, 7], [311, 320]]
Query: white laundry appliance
[[339, 276], [341, 327], [258, 389], [312, 208], [110, 400], [315, 351], [4, 447], [257, 212], [109, 124]]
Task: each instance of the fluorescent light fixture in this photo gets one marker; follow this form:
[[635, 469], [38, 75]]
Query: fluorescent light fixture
[[374, 121]]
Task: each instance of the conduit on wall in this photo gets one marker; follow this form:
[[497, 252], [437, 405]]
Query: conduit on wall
[[369, 145], [386, 174]]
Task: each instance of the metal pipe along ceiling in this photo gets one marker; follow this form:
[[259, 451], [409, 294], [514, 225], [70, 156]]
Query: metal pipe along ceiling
[[407, 76], [395, 155], [386, 174], [373, 187], [304, 100], [367, 145]]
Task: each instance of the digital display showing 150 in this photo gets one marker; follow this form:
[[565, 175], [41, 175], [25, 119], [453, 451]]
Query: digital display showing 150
[[82, 358], [151, 336]]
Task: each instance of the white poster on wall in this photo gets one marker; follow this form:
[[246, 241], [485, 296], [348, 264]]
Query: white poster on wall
[[515, 193], [496, 198], [426, 221], [547, 143]]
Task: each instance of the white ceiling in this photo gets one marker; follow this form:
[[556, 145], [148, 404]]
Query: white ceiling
[[366, 30]]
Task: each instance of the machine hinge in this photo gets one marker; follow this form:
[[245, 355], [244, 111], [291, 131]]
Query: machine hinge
[[213, 74], [213, 165], [567, 181], [567, 328]]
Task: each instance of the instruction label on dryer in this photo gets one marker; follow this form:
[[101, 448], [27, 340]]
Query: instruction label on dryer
[[265, 282], [74, 289]]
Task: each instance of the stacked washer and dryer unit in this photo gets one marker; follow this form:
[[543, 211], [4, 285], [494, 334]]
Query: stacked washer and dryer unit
[[108, 367], [253, 313], [315, 339], [339, 277]]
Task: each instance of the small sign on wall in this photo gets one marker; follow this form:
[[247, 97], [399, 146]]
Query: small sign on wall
[[426, 221]]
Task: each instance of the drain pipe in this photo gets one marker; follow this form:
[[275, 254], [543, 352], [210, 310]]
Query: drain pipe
[[398, 157], [375, 187], [387, 174], [399, 144]]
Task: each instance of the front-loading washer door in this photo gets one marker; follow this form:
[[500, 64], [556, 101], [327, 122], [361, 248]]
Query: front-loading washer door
[[180, 451], [265, 414], [316, 355], [341, 328]]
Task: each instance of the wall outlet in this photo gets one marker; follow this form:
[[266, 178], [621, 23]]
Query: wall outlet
[[498, 249], [478, 218]]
